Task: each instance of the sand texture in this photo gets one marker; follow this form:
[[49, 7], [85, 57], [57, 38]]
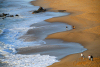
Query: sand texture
[[84, 16]]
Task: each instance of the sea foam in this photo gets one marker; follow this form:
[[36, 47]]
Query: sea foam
[[29, 60]]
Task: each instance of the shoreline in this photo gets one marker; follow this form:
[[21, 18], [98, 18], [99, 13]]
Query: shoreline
[[87, 26]]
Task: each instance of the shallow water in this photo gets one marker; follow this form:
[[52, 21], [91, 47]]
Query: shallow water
[[28, 30], [53, 47]]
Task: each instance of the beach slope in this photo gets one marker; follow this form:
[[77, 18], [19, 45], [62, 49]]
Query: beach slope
[[84, 16]]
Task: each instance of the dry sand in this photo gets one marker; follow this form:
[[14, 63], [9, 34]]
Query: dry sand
[[84, 16]]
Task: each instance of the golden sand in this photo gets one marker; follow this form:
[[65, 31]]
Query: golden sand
[[84, 16], [87, 63]]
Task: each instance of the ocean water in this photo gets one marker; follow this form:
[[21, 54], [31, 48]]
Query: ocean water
[[16, 33]]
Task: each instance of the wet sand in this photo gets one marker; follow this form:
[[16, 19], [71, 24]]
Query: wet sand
[[85, 17], [52, 47]]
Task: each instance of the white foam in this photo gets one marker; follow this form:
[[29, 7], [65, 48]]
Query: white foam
[[29, 60]]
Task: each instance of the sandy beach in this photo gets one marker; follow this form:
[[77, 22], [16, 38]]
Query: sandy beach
[[85, 17]]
